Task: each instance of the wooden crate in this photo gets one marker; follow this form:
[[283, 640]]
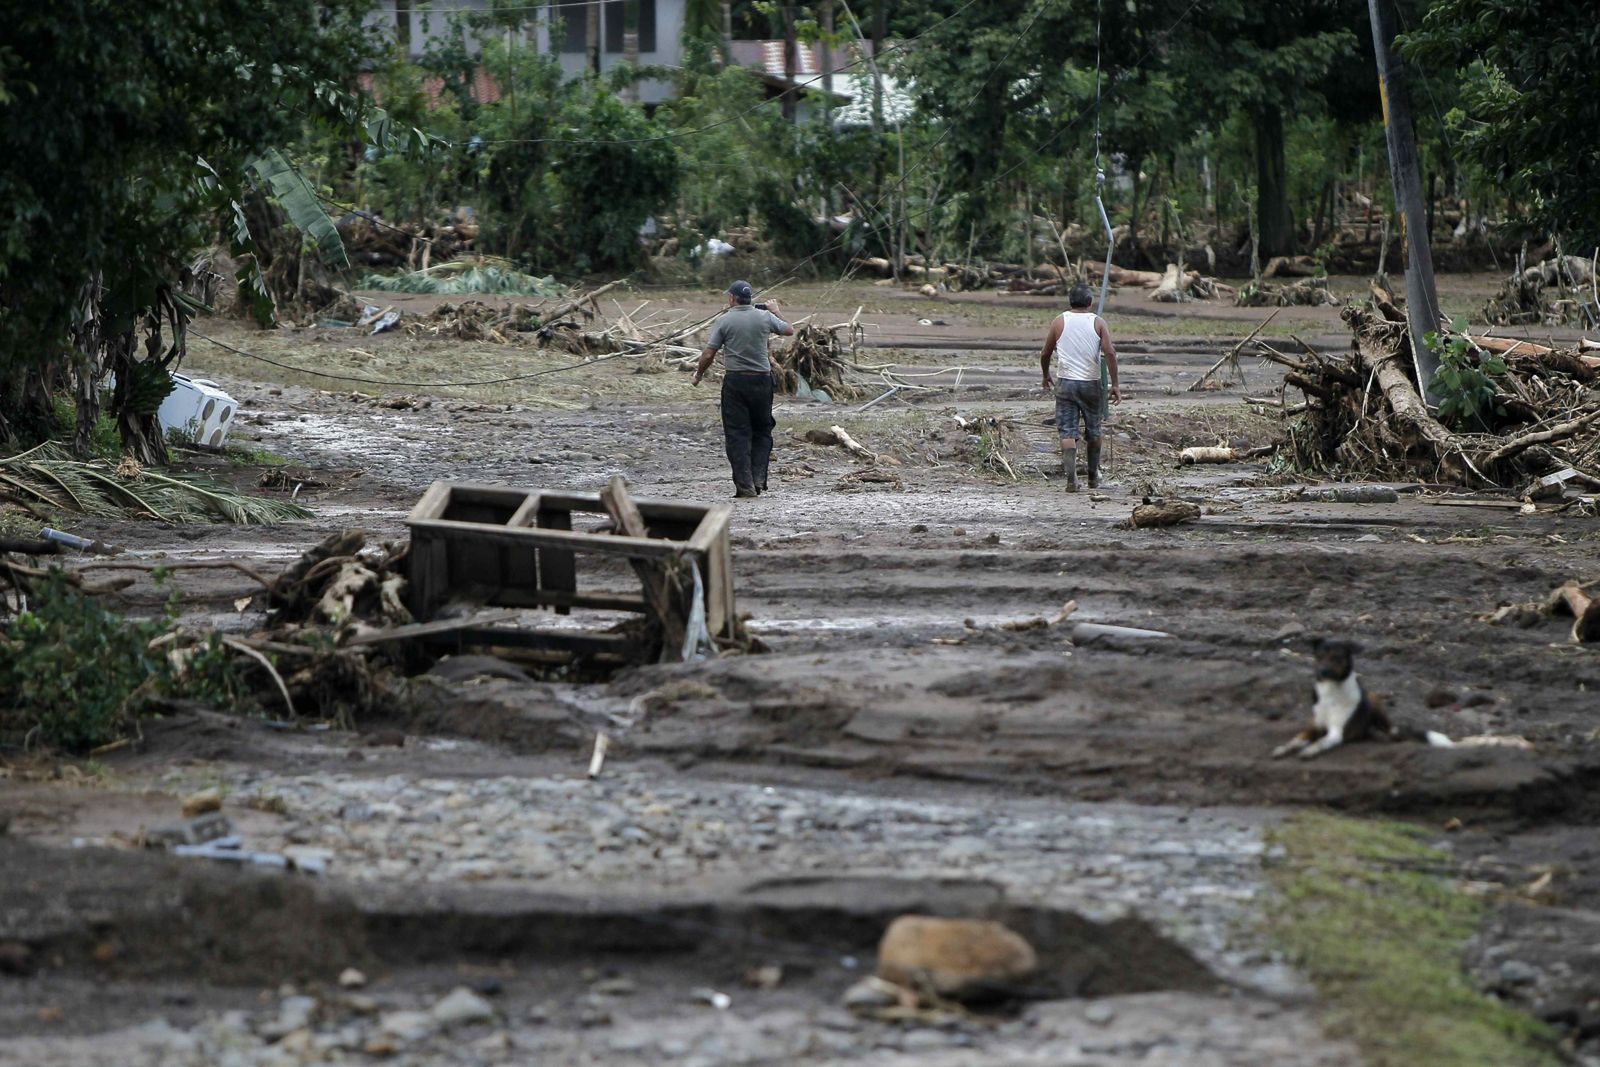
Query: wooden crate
[[515, 548]]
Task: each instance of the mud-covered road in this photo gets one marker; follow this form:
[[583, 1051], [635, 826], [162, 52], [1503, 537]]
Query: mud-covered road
[[905, 745]]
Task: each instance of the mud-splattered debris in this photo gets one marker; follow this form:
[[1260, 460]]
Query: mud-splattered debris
[[206, 800]]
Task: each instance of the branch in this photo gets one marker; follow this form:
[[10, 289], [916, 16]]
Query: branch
[[1539, 437]]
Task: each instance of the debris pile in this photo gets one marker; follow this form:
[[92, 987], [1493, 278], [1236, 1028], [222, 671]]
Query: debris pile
[[814, 365], [1561, 291], [1535, 412], [1172, 285], [1305, 292], [372, 242]]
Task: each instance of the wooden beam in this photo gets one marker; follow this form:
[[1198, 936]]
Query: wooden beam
[[599, 544], [414, 630], [659, 587]]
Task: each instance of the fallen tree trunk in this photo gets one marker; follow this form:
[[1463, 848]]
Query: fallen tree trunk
[[1219, 454]]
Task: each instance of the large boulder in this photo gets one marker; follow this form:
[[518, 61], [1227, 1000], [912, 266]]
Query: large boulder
[[963, 959]]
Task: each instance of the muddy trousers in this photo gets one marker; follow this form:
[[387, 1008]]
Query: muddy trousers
[[747, 424]]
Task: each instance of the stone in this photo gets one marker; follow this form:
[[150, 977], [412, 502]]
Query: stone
[[407, 1025], [871, 993], [294, 1013], [462, 1006], [1100, 1013], [614, 987], [957, 958], [350, 978], [203, 801], [1515, 972]]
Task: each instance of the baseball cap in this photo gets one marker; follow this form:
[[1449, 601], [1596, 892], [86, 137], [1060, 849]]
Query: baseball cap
[[742, 292]]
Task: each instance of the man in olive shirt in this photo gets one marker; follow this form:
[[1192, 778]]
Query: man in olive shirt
[[741, 336]]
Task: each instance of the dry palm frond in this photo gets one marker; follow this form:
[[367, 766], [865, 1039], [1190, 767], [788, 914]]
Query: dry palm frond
[[46, 475]]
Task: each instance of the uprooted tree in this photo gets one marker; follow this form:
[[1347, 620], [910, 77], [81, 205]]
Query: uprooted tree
[[1512, 413], [123, 129]]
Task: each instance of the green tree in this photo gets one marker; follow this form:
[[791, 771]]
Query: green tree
[[1272, 61], [106, 107], [1528, 106]]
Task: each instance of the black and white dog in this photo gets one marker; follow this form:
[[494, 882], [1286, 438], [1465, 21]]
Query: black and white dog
[[1344, 711]]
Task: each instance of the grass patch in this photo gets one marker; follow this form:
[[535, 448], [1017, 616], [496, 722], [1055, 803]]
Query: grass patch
[[242, 456], [1381, 936]]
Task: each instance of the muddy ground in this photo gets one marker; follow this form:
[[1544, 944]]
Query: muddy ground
[[898, 749]]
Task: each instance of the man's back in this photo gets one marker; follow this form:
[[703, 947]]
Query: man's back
[[741, 334]]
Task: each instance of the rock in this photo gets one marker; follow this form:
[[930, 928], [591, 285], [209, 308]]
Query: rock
[[767, 976], [614, 987], [407, 1025], [1515, 972], [294, 1013], [203, 801], [461, 1006], [1439, 698], [1100, 1013], [958, 958], [871, 993], [350, 978]]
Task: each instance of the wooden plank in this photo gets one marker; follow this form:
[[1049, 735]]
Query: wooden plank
[[414, 630], [599, 544], [649, 507], [431, 504], [558, 567], [713, 524], [428, 575], [658, 586]]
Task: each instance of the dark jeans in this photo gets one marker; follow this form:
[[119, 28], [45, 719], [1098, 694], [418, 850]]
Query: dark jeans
[[747, 425]]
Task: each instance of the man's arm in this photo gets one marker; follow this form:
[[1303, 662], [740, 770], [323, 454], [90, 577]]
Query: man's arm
[[1110, 351], [704, 365], [1050, 338], [777, 325]]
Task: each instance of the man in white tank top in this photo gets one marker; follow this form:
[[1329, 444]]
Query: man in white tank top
[[1070, 364]]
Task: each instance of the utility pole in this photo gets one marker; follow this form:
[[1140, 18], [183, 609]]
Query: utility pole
[[591, 37], [791, 65], [1422, 299]]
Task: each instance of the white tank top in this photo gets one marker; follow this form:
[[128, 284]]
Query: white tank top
[[1077, 356]]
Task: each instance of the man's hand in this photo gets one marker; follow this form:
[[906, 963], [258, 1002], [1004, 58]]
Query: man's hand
[[1045, 383], [1116, 393], [774, 306], [696, 379]]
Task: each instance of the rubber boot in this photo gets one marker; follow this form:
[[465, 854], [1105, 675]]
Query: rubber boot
[[1069, 466], [1094, 464]]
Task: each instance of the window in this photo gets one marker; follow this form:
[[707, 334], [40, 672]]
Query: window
[[573, 18], [615, 14]]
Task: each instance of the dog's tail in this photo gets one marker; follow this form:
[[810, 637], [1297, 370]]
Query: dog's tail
[[1427, 737]]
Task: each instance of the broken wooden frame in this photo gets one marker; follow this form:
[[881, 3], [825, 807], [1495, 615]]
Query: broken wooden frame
[[502, 547]]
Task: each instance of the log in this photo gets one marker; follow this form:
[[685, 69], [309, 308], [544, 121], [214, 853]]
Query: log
[[1173, 288], [573, 305], [27, 546], [1407, 407], [1573, 599], [1555, 433], [1154, 513], [1219, 454], [839, 436]]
